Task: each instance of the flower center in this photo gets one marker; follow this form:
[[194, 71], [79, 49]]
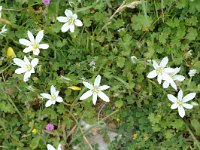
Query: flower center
[[160, 70], [53, 97], [35, 46], [28, 67], [71, 20], [95, 89], [179, 102]]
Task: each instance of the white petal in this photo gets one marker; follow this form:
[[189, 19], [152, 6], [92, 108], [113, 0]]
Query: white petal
[[62, 19], [28, 49], [168, 70], [189, 97], [173, 84], [53, 90], [165, 84], [155, 64], [103, 87], [39, 36], [34, 62], [72, 28], [74, 16], [26, 60], [94, 98], [44, 46], [159, 78], [19, 62], [174, 106], [59, 99], [65, 27], [164, 62], [31, 37], [78, 23], [167, 78], [50, 147], [103, 96], [36, 51], [97, 81], [86, 95], [178, 78], [172, 98], [68, 12], [180, 95], [27, 75], [188, 106], [181, 111], [46, 95], [25, 42], [59, 147], [152, 74], [48, 103], [176, 70], [20, 70], [88, 85]]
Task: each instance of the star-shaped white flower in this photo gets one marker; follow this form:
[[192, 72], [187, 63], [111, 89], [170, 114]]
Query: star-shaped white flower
[[180, 102], [70, 21], [175, 77], [3, 30], [33, 44], [50, 147], [95, 90], [161, 72], [27, 67], [53, 97]]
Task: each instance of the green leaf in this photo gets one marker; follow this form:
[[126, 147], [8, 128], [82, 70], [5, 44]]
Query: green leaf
[[120, 62], [34, 142], [196, 125], [119, 103]]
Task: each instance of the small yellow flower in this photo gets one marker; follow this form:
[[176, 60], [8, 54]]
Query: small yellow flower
[[10, 53], [134, 136], [34, 131], [75, 88]]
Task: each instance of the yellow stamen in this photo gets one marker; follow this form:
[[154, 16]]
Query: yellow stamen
[[28, 67], [71, 20], [179, 102], [160, 70], [53, 97]]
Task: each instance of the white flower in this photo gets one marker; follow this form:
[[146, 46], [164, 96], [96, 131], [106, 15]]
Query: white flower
[[70, 21], [0, 10], [180, 102], [161, 72], [3, 30], [53, 98], [27, 67], [95, 90], [192, 72], [134, 59], [34, 43], [175, 77], [50, 147]]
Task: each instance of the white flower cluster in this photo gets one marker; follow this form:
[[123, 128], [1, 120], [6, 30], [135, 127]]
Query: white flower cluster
[[170, 76]]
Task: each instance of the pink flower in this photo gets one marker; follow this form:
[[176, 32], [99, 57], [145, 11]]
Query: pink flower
[[49, 127], [46, 2]]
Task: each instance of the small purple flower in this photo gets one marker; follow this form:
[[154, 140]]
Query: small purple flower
[[46, 2], [49, 127]]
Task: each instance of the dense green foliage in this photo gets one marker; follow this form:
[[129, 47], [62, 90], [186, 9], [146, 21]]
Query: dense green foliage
[[138, 105]]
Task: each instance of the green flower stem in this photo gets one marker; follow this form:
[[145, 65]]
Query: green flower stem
[[11, 101], [194, 138]]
